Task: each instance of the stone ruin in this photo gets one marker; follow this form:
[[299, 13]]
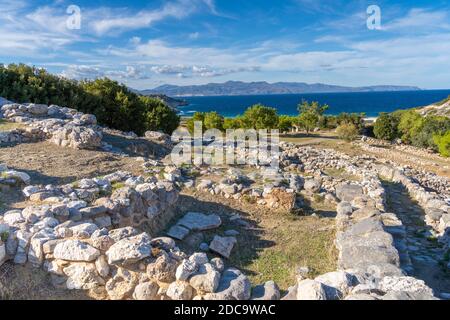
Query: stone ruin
[[62, 126]]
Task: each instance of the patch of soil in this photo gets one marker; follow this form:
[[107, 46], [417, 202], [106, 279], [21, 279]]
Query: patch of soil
[[271, 244], [28, 283], [47, 163]]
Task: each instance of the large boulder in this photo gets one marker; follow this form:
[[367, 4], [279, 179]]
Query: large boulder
[[311, 290], [233, 285], [163, 269], [313, 185], [206, 279], [75, 250], [77, 137], [82, 276], [195, 221], [129, 250], [348, 192], [405, 284]]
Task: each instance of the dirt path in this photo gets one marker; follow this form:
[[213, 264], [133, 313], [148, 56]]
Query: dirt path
[[425, 252]]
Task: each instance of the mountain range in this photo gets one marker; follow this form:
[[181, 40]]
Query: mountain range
[[234, 88]]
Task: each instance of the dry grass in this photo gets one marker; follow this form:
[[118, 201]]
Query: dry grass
[[273, 244], [7, 126], [27, 283]]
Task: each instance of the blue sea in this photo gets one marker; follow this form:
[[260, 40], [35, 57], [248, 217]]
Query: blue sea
[[371, 103]]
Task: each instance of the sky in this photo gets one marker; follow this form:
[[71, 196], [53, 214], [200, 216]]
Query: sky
[[145, 44]]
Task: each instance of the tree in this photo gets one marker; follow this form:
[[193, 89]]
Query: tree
[[232, 123], [409, 125], [285, 123], [310, 114], [213, 120], [347, 131], [386, 127], [158, 116], [260, 117], [197, 117]]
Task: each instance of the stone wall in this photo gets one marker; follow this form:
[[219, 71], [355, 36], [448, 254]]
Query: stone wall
[[62, 126]]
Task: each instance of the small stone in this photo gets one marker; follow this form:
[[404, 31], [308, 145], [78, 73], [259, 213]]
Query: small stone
[[218, 264], [199, 258], [178, 232], [206, 279], [180, 291], [223, 245], [268, 291], [102, 266], [185, 270], [310, 290], [146, 291]]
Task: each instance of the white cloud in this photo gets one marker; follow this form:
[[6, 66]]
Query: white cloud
[[116, 20], [420, 20]]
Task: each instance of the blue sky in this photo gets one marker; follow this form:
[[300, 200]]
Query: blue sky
[[148, 43]]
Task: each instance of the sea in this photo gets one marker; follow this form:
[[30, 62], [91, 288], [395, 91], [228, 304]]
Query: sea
[[370, 103]]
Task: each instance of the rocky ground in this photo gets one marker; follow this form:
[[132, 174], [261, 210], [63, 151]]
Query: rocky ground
[[92, 213]]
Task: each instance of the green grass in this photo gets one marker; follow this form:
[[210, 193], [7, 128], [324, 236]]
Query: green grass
[[294, 242], [7, 126], [117, 185], [4, 236]]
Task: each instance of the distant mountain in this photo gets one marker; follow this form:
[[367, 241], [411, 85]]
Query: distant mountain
[[233, 88], [170, 102]]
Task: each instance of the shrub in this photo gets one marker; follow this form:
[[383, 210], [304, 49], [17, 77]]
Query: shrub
[[430, 126], [443, 143], [386, 127], [347, 131], [410, 123], [113, 104]]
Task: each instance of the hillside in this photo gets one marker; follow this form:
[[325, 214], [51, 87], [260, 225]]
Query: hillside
[[254, 88], [441, 108]]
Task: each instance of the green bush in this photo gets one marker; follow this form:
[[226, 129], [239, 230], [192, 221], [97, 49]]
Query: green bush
[[260, 117], [197, 117], [429, 127], [232, 123], [113, 104], [347, 131], [213, 120], [386, 127], [443, 143]]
